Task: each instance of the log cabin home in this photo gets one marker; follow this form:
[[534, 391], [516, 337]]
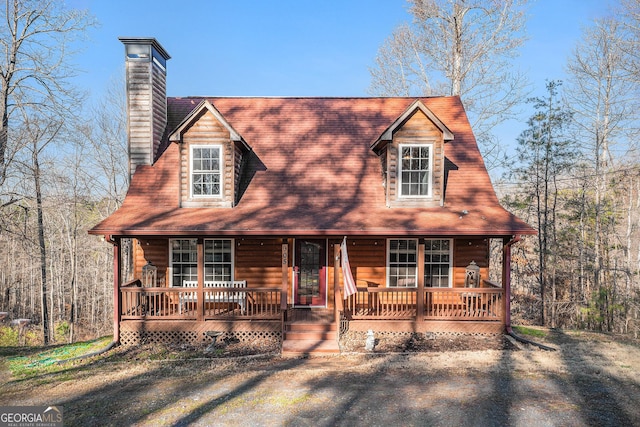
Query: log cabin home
[[240, 212]]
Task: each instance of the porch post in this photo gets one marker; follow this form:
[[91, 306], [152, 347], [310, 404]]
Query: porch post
[[506, 281], [420, 290], [285, 276], [338, 302], [200, 291], [117, 296]]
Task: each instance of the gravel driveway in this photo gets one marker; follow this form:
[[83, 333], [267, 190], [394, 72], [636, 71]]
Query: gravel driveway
[[593, 379]]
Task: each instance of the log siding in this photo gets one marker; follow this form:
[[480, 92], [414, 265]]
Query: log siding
[[259, 261], [418, 129], [208, 131]]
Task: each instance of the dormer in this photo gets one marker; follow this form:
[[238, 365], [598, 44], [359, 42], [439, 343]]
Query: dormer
[[412, 155], [211, 158]]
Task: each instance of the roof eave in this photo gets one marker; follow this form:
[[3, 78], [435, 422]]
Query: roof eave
[[315, 232]]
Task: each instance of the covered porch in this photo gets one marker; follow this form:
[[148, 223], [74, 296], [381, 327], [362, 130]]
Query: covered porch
[[146, 306], [157, 315]]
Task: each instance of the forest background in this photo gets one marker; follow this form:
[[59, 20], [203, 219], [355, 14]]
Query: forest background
[[572, 170]]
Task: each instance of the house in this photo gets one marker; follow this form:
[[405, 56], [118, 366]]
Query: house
[[238, 208]]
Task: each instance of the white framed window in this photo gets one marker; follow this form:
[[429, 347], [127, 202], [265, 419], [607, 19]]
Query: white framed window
[[402, 263], [183, 256], [206, 170], [437, 263], [218, 260], [415, 164]]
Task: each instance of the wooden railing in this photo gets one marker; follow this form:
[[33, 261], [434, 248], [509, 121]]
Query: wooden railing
[[479, 304], [177, 303], [182, 303]]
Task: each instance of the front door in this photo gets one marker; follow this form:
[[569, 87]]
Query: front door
[[310, 279]]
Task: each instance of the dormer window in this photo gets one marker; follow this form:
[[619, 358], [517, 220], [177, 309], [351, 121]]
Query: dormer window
[[415, 170], [206, 179], [412, 154]]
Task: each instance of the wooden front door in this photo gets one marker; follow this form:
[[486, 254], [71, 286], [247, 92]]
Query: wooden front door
[[310, 278]]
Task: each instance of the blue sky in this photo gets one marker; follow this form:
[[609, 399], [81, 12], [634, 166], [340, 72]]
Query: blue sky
[[246, 48], [293, 48], [290, 48]]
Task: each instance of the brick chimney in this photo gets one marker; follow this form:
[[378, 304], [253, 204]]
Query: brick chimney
[[146, 78]]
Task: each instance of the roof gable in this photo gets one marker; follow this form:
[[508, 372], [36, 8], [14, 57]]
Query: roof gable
[[192, 117], [416, 106]]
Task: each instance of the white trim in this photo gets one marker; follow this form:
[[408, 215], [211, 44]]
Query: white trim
[[233, 259], [388, 264], [450, 284], [221, 171], [430, 174], [198, 267], [170, 263]]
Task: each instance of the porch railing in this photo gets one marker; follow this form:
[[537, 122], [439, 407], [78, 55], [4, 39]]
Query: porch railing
[[479, 304], [183, 303]]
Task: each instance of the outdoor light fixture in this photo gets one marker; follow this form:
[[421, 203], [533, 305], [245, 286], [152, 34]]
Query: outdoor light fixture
[[149, 275], [472, 276]]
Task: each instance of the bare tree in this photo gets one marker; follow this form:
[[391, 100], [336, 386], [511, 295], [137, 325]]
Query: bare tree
[[107, 136], [39, 131], [36, 40], [602, 95], [629, 16], [593, 227], [458, 47]]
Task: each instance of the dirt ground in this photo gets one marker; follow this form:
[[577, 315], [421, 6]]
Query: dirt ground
[[593, 379]]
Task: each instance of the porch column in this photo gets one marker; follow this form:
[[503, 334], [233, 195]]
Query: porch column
[[420, 290], [338, 302], [506, 279], [285, 276], [117, 296], [200, 291]]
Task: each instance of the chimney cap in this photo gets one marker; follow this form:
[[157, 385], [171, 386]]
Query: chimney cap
[[146, 41]]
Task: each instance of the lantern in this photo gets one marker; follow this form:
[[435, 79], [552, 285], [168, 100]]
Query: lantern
[[149, 275], [472, 276]]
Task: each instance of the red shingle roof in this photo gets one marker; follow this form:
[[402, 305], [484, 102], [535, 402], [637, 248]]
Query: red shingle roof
[[315, 174]]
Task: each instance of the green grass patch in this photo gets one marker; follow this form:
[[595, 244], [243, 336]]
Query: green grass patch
[[10, 337], [48, 359], [523, 330]]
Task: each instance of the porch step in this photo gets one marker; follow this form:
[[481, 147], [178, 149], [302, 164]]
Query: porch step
[[310, 326], [309, 347], [310, 335], [308, 338]]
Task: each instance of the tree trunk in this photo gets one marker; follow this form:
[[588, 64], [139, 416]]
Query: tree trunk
[[43, 250]]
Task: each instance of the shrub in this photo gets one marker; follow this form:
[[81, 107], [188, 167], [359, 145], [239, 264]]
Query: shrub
[[9, 337]]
